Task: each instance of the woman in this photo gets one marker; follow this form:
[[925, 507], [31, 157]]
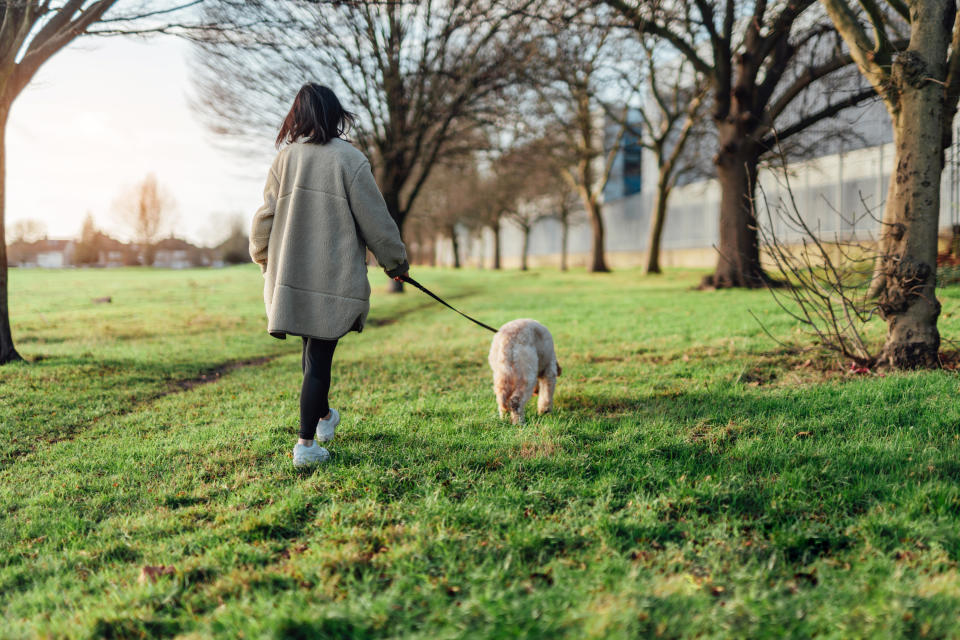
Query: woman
[[321, 210]]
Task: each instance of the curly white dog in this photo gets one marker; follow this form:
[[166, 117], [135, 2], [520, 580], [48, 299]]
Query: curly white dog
[[521, 356]]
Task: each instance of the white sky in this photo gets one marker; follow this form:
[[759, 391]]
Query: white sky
[[100, 116]]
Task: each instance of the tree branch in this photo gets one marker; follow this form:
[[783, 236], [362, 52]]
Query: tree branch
[[870, 61], [777, 137], [644, 26]]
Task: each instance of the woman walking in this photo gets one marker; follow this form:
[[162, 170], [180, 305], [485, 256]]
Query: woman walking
[[321, 210]]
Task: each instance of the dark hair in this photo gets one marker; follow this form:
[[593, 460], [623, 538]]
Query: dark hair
[[316, 116]]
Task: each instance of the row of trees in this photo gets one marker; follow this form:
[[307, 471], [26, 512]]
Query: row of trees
[[521, 187], [434, 80]]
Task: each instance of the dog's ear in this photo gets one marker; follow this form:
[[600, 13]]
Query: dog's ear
[[559, 369]]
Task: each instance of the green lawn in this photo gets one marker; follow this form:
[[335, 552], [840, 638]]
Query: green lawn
[[696, 478]]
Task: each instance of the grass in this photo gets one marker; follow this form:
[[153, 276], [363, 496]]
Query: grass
[[696, 478]]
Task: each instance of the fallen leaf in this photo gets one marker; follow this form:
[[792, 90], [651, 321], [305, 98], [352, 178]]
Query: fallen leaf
[[149, 573]]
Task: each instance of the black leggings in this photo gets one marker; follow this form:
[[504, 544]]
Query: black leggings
[[316, 361]]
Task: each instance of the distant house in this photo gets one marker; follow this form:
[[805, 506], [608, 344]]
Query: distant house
[[174, 253], [103, 251], [45, 254], [100, 250], [113, 253]]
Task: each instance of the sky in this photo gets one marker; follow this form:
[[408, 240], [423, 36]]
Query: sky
[[102, 114]]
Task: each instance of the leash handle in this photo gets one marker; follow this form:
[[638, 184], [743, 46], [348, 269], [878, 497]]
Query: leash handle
[[406, 278]]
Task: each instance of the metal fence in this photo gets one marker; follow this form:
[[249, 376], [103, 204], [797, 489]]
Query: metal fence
[[832, 193]]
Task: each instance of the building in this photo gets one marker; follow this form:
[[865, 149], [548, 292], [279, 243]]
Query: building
[[175, 253], [839, 189], [44, 254]]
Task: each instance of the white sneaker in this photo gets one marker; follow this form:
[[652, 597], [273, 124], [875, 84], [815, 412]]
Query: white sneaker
[[304, 456], [326, 428]]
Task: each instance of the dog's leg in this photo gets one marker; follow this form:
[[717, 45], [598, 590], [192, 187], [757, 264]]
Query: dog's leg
[[547, 384], [501, 389], [519, 399]]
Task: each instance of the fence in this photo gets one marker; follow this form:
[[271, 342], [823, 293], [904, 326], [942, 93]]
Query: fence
[[831, 193]]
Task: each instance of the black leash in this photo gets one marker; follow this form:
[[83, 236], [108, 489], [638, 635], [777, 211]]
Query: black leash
[[406, 278]]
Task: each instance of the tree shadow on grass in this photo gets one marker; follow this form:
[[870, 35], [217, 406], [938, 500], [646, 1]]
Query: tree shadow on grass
[[37, 422], [788, 466], [326, 628]]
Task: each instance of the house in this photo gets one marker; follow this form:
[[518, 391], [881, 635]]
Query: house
[[45, 253], [100, 250], [175, 253], [113, 253]]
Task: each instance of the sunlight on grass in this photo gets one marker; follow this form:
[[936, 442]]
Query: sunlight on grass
[[696, 479]]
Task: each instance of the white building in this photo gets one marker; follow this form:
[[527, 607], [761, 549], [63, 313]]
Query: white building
[[833, 192]]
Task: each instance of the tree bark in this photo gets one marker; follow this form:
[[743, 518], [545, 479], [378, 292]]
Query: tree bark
[[598, 261], [391, 196], [526, 248], [496, 243], [878, 281], [908, 300], [8, 352], [564, 241], [657, 224], [455, 243], [738, 264]]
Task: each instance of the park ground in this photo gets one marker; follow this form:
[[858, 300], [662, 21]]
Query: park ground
[[697, 478]]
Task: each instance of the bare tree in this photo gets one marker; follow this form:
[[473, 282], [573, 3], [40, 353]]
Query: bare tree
[[493, 199], [493, 219], [147, 209], [31, 32], [524, 215], [919, 85], [28, 230], [449, 202], [419, 74], [543, 194], [87, 248], [759, 58], [570, 123], [826, 278], [566, 210], [670, 111]]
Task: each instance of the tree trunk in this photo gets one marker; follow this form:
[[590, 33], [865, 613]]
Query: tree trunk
[[496, 243], [392, 199], [526, 249], [878, 281], [908, 300], [656, 224], [564, 238], [738, 264], [598, 261], [454, 241], [7, 351], [149, 254]]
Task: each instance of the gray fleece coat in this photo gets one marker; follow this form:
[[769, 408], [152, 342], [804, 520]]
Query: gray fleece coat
[[321, 210]]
